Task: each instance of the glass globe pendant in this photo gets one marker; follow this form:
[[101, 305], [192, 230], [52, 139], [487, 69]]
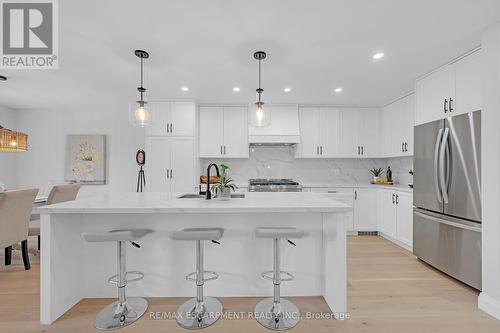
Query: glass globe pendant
[[259, 116], [139, 112]]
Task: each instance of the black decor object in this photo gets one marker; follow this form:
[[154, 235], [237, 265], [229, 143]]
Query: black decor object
[[140, 158]]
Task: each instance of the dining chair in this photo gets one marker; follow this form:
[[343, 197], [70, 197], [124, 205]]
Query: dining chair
[[15, 211], [58, 193]]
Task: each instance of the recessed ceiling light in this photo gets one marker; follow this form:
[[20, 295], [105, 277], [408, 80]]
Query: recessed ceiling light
[[185, 88], [287, 90], [378, 56], [337, 90], [236, 89]]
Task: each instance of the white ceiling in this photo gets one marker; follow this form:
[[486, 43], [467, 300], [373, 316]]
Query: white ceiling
[[313, 47]]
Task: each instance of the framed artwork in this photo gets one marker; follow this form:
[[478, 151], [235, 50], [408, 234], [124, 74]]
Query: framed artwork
[[86, 159]]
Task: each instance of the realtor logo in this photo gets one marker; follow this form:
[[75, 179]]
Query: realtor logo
[[29, 34]]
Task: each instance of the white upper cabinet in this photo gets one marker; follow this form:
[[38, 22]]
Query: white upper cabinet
[[211, 131], [468, 84], [172, 119], [223, 132], [359, 132], [235, 132], [318, 132], [450, 90], [397, 122]]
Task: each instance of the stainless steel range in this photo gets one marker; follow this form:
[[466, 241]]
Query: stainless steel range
[[273, 185]]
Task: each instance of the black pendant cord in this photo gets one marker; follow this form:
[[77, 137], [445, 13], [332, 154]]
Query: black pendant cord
[[141, 89]]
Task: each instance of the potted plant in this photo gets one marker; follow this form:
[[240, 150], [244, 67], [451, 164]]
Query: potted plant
[[377, 172], [224, 185]]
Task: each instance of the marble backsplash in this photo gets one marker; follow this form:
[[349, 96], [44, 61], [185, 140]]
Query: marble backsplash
[[279, 162]]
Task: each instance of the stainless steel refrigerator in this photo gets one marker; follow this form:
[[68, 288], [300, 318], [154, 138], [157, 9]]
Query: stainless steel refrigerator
[[447, 196]]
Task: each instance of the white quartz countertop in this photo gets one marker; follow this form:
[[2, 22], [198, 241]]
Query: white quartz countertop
[[395, 187], [148, 203]]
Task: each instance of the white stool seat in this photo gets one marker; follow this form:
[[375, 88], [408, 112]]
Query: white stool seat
[[126, 235], [279, 232], [198, 234]]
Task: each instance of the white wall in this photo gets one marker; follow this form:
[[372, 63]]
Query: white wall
[[8, 161], [489, 300], [47, 133]]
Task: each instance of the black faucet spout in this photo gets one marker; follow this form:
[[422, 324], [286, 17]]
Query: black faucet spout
[[208, 193]]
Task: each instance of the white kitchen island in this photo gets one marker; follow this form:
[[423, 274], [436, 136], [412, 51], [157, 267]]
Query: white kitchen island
[[72, 269]]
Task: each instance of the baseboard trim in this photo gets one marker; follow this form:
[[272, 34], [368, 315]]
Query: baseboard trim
[[489, 305]]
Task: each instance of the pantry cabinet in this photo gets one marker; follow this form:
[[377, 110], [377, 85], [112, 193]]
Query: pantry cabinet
[[397, 124], [172, 118], [395, 216], [171, 164], [223, 132], [451, 90], [319, 132], [359, 132]]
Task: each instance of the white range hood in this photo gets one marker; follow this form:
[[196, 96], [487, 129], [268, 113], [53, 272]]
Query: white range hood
[[283, 130]]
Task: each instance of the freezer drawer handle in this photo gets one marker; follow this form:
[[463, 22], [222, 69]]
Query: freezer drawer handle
[[452, 224], [445, 106]]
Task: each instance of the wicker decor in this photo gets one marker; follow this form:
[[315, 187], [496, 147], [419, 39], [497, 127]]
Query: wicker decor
[[12, 141]]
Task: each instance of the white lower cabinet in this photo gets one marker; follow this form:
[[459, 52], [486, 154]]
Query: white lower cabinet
[[365, 208], [395, 216], [170, 164], [344, 195]]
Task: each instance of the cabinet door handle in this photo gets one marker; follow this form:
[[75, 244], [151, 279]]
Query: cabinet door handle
[[397, 199], [406, 147], [224, 150], [445, 106], [321, 150], [359, 150], [362, 150], [171, 174], [355, 195], [168, 174], [317, 150], [332, 191], [221, 150], [402, 147], [393, 201], [451, 104], [167, 128]]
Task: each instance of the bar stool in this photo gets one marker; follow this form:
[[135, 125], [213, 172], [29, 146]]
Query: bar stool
[[125, 310], [201, 311], [277, 313]]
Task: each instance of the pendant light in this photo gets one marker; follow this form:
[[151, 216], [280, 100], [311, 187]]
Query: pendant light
[[12, 141], [259, 117], [139, 112]]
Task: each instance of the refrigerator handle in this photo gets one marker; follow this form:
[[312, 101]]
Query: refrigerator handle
[[436, 163], [442, 177]]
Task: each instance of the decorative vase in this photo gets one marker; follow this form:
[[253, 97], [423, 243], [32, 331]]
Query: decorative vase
[[225, 194], [375, 178]]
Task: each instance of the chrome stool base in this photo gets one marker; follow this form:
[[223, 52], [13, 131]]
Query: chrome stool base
[[190, 318], [107, 319], [283, 317]]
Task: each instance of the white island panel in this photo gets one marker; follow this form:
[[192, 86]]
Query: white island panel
[[72, 269]]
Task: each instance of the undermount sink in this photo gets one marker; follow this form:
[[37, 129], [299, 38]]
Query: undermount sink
[[202, 196]]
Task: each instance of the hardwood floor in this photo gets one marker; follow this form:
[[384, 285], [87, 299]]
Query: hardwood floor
[[388, 291]]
